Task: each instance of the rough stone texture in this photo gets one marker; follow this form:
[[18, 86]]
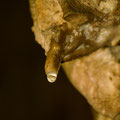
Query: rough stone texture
[[45, 14], [97, 76]]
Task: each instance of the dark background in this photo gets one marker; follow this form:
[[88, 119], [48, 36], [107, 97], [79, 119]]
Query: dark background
[[25, 93]]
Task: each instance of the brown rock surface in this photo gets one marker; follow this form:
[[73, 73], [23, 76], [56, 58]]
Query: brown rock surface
[[97, 76]]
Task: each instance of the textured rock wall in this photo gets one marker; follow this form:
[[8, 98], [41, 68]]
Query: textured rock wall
[[96, 76]]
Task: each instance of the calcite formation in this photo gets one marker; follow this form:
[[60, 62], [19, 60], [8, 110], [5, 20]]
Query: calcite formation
[[84, 35], [97, 77]]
